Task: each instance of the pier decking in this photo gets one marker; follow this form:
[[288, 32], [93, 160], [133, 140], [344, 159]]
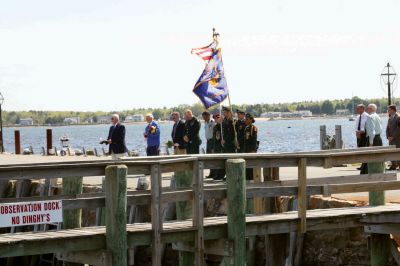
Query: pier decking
[[198, 234]]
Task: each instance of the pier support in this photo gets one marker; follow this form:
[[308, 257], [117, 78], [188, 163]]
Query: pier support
[[17, 138], [116, 236], [380, 243], [49, 139], [236, 196]]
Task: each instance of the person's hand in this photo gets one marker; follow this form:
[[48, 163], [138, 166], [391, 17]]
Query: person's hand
[[109, 141], [145, 135], [222, 142], [176, 144], [390, 138], [186, 139]]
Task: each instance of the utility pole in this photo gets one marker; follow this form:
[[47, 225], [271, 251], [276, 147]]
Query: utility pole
[[389, 77]]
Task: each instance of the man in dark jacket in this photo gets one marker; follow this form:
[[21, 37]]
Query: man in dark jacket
[[229, 141], [217, 146], [393, 131], [116, 138], [191, 136], [250, 141], [178, 131], [240, 126]]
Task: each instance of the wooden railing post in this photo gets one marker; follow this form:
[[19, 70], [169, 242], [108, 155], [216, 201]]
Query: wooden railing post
[[156, 217], [236, 196], [302, 194], [184, 210], [322, 136], [116, 236], [380, 243], [198, 211]]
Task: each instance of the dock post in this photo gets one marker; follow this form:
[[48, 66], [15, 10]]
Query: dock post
[[184, 210], [116, 236], [380, 243], [322, 136], [338, 137], [236, 196], [49, 138], [17, 138]]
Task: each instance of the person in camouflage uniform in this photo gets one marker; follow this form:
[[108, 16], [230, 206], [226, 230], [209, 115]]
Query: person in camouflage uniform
[[229, 141], [240, 126]]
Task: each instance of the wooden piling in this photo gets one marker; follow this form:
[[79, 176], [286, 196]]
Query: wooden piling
[[116, 235], [236, 196], [17, 142], [322, 136], [184, 210], [49, 139], [338, 137], [156, 218], [380, 243]]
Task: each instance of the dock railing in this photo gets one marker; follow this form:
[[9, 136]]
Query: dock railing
[[198, 235]]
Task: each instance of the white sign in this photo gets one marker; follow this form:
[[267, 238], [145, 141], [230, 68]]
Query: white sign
[[27, 213]]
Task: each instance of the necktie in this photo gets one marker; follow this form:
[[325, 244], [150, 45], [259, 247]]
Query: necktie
[[359, 123], [174, 130]]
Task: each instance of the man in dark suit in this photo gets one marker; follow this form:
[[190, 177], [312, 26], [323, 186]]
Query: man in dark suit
[[393, 131], [191, 136], [178, 131], [116, 138]]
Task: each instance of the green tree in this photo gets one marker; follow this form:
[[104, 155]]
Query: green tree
[[327, 107]]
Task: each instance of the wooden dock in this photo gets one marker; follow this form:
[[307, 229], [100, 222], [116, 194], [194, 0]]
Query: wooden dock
[[197, 235]]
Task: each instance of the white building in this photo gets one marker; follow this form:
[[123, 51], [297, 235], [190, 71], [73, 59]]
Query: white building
[[304, 113], [26, 122], [134, 118], [72, 120], [271, 115], [342, 112], [104, 119]]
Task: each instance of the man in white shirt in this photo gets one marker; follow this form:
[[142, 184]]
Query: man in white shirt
[[208, 134], [373, 126], [360, 126]]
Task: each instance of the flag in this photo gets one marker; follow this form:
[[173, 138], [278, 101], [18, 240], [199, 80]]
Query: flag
[[206, 52], [211, 87]]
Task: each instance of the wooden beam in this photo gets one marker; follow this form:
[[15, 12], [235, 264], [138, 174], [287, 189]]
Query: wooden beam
[[116, 237], [72, 218], [395, 251], [156, 217], [393, 229], [92, 257], [198, 212], [236, 189], [302, 195]]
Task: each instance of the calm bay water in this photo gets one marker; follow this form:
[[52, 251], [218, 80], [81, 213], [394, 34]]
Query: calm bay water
[[274, 136]]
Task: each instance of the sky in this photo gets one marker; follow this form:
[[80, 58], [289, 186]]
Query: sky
[[90, 55]]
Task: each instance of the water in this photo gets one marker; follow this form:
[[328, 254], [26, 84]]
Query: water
[[274, 136]]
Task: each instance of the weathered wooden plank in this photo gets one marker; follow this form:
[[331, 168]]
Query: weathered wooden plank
[[156, 217], [383, 229], [116, 237], [220, 247], [236, 189], [72, 218], [198, 212], [395, 251], [92, 257], [302, 197]]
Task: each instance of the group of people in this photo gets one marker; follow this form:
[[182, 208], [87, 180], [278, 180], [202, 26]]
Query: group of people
[[369, 130], [223, 133]]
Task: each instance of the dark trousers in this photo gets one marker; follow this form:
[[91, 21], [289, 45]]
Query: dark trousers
[[376, 142], [213, 172], [192, 148], [152, 151], [363, 142]]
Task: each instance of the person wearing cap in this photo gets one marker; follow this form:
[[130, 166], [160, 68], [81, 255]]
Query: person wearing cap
[[250, 141], [229, 141], [116, 138], [191, 135], [178, 131], [240, 126], [152, 135], [217, 146]]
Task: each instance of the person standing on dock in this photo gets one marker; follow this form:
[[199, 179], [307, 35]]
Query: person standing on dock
[[116, 138], [217, 146], [178, 131], [250, 144], [360, 126], [373, 126], [229, 141], [191, 136], [393, 131], [152, 135], [240, 127], [208, 134]]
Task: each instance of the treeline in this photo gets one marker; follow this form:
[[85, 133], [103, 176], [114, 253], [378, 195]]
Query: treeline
[[327, 107]]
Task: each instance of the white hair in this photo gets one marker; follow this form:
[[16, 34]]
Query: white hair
[[150, 115], [373, 107], [116, 116]]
